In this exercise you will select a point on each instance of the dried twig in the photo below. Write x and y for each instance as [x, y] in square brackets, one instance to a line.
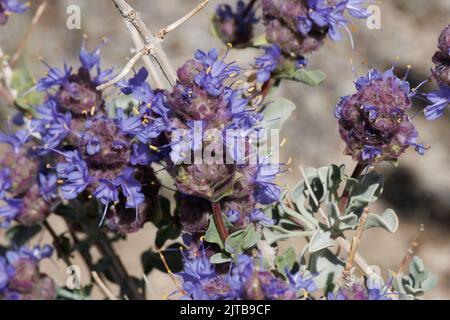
[37, 16]
[99, 282]
[355, 243]
[152, 43]
[155, 79]
[410, 253]
[125, 70]
[164, 31]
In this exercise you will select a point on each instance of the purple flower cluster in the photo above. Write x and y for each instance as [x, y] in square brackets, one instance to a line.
[373, 290]
[374, 122]
[98, 155]
[235, 28]
[440, 99]
[300, 26]
[11, 6]
[20, 278]
[26, 191]
[202, 100]
[246, 280]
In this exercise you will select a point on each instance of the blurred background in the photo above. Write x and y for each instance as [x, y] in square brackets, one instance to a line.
[419, 190]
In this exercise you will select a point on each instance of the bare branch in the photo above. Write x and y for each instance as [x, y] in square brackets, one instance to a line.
[99, 282]
[410, 253]
[355, 242]
[37, 16]
[124, 71]
[155, 79]
[164, 31]
[152, 43]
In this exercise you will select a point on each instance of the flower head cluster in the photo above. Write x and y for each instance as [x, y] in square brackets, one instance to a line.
[99, 155]
[233, 27]
[11, 6]
[203, 100]
[374, 122]
[20, 278]
[440, 99]
[246, 280]
[300, 26]
[26, 191]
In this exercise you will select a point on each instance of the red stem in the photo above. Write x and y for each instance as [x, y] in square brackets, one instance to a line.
[218, 221]
[346, 194]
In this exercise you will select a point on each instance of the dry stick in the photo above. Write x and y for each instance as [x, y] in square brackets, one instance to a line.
[125, 70]
[139, 44]
[37, 16]
[152, 43]
[346, 245]
[218, 221]
[99, 282]
[354, 247]
[164, 31]
[409, 254]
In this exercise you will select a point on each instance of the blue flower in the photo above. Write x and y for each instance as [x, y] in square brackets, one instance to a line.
[369, 153]
[75, 175]
[7, 272]
[267, 63]
[107, 192]
[257, 215]
[54, 77]
[142, 155]
[298, 281]
[214, 72]
[266, 192]
[9, 210]
[131, 188]
[48, 185]
[16, 140]
[93, 144]
[233, 216]
[440, 100]
[15, 6]
[138, 87]
[5, 181]
[88, 59]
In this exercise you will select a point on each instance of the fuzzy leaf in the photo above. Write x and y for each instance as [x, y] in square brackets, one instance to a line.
[219, 258]
[286, 261]
[319, 241]
[309, 77]
[388, 220]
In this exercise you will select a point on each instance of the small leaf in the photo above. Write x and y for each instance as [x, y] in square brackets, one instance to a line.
[319, 241]
[250, 238]
[212, 234]
[286, 261]
[276, 113]
[328, 267]
[309, 77]
[388, 220]
[366, 191]
[22, 81]
[219, 258]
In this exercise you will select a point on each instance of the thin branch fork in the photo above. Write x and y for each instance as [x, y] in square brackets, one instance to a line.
[164, 31]
[355, 243]
[152, 43]
[410, 253]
